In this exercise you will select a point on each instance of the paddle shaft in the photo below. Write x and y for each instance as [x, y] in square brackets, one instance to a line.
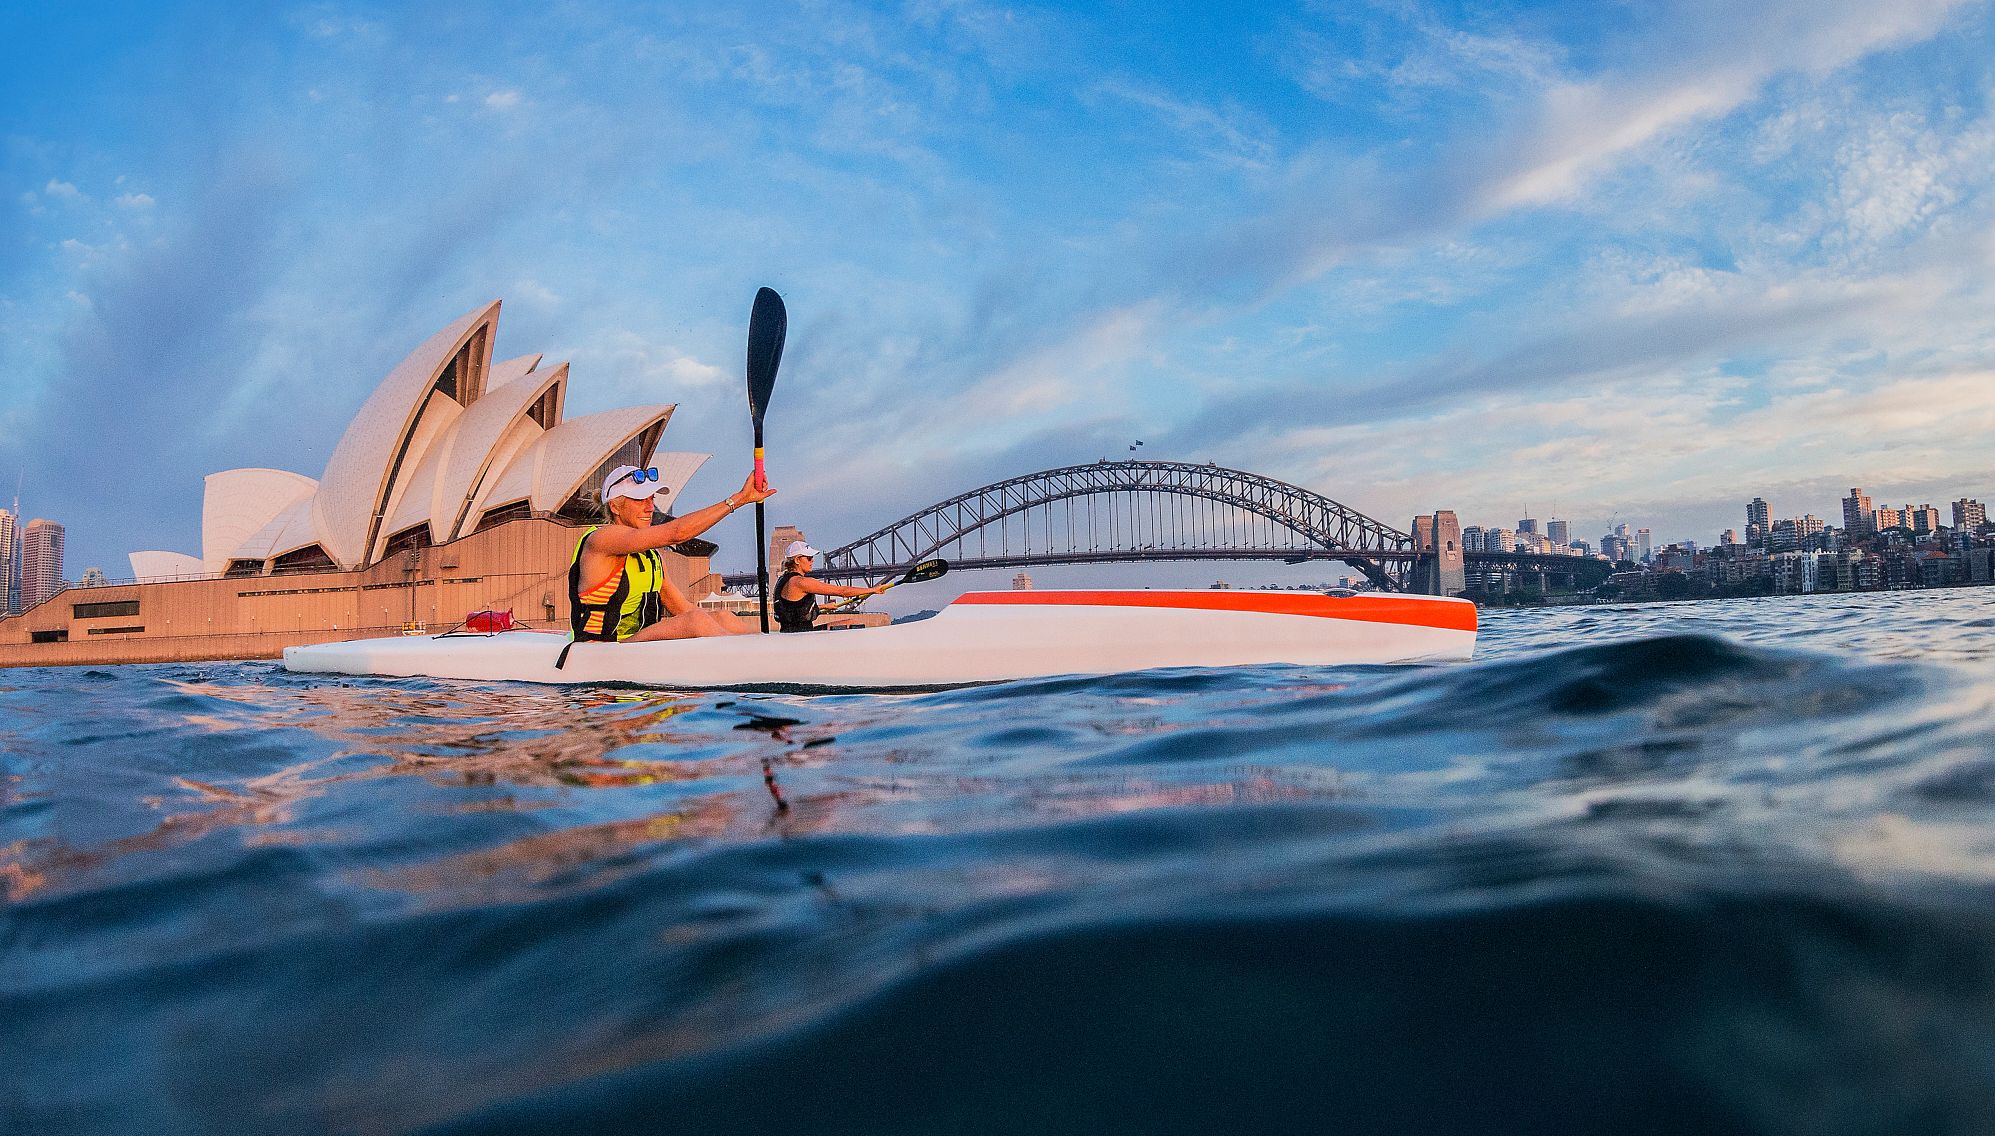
[761, 531]
[926, 570]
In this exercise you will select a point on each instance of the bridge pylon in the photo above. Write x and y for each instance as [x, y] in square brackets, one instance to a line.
[1440, 566]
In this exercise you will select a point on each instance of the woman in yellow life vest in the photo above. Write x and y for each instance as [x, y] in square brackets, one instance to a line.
[617, 588]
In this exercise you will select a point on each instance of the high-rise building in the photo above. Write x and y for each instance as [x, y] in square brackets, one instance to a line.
[1558, 532]
[1924, 520]
[41, 562]
[10, 593]
[1472, 539]
[1022, 582]
[1858, 517]
[93, 577]
[1883, 519]
[1759, 522]
[1527, 525]
[1642, 545]
[1499, 540]
[1969, 514]
[1729, 537]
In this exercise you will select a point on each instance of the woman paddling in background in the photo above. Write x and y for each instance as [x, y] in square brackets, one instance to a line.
[796, 592]
[617, 588]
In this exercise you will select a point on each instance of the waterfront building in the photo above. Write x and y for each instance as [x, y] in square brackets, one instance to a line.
[41, 561]
[10, 587]
[459, 485]
[1969, 514]
[1642, 545]
[1759, 522]
[1882, 520]
[1859, 519]
[1856, 570]
[1923, 521]
[1022, 582]
[1729, 538]
[1558, 532]
[1796, 572]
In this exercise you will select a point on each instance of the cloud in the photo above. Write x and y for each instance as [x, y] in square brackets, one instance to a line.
[134, 201]
[503, 100]
[61, 191]
[1229, 137]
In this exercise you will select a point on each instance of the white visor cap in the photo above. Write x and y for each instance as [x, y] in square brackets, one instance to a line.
[799, 548]
[632, 482]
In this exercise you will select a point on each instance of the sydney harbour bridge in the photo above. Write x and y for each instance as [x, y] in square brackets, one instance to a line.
[1126, 511]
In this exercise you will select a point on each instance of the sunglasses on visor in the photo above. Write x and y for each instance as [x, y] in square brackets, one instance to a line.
[639, 476]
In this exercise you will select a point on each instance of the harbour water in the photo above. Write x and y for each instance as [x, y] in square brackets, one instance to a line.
[1700, 868]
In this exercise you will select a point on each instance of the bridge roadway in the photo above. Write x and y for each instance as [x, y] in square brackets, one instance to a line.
[1577, 567]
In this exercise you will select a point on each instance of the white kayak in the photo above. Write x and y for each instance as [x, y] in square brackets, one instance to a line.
[980, 637]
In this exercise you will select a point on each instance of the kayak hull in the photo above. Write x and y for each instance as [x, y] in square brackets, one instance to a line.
[981, 637]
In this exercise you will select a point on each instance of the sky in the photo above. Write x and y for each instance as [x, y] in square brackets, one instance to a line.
[1608, 262]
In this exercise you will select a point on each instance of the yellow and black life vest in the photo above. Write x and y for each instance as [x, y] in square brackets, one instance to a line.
[617, 607]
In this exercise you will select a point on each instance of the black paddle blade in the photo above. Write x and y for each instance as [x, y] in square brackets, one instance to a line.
[925, 571]
[768, 324]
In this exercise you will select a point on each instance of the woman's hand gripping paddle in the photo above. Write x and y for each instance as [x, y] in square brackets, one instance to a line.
[768, 324]
[919, 574]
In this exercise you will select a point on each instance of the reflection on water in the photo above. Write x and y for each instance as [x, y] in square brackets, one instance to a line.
[1708, 866]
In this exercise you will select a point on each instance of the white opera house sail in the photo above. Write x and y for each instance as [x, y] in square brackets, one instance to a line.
[448, 444]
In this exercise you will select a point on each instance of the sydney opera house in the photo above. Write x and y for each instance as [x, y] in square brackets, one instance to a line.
[459, 486]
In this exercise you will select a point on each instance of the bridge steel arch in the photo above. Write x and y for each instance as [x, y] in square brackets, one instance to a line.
[1328, 530]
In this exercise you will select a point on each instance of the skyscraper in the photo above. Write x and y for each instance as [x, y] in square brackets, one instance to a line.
[1527, 525]
[1559, 531]
[9, 561]
[1642, 549]
[1858, 519]
[1969, 514]
[41, 562]
[1759, 522]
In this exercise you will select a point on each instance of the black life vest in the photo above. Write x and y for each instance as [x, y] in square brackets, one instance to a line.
[793, 615]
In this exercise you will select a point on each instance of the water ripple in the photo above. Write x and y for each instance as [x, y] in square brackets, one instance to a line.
[1688, 868]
